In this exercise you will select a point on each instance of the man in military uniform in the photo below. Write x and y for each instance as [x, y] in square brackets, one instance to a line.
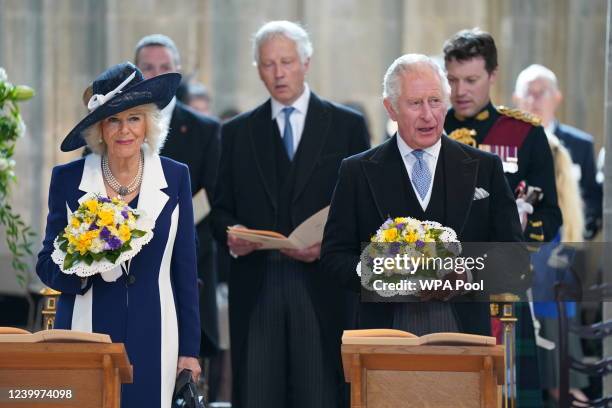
[470, 57]
[471, 61]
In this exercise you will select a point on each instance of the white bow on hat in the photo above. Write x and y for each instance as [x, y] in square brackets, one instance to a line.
[98, 100]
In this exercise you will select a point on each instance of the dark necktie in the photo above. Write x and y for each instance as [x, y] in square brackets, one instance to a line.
[288, 132]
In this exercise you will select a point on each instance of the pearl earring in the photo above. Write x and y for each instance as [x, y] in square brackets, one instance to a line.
[100, 140]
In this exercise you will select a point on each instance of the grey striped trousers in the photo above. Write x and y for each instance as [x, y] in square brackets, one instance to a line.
[285, 363]
[421, 318]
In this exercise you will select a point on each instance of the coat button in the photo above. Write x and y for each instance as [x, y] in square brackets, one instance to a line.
[131, 279]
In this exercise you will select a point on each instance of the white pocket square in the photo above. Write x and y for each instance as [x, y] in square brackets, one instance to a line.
[480, 193]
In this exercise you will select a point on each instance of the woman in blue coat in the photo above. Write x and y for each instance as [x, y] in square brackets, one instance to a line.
[151, 304]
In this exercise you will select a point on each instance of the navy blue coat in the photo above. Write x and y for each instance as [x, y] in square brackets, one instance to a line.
[193, 139]
[161, 320]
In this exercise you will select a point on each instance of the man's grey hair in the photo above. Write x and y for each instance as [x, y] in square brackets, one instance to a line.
[158, 40]
[408, 63]
[288, 29]
[530, 74]
[155, 133]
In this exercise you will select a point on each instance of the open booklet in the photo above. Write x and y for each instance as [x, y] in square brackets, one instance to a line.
[402, 338]
[53, 335]
[306, 234]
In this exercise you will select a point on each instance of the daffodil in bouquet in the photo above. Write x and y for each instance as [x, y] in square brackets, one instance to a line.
[101, 234]
[405, 248]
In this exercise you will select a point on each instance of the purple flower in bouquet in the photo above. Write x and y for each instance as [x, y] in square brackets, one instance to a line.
[114, 242]
[394, 248]
[104, 199]
[124, 214]
[105, 234]
[93, 227]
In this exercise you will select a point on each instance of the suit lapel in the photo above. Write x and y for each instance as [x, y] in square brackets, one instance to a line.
[175, 127]
[386, 177]
[460, 175]
[152, 200]
[316, 129]
[91, 179]
[262, 136]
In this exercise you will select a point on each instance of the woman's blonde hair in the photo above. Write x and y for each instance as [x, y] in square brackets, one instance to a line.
[154, 136]
[568, 192]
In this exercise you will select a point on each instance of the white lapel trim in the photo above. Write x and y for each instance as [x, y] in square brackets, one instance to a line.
[152, 200]
[91, 180]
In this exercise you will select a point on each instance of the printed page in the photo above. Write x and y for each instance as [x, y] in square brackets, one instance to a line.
[310, 231]
[402, 338]
[306, 234]
[55, 335]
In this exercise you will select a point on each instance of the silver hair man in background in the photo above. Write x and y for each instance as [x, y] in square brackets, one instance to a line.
[537, 91]
[279, 164]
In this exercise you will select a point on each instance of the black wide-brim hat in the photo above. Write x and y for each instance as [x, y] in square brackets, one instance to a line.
[114, 91]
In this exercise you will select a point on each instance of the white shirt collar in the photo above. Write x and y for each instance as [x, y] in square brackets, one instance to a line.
[552, 126]
[168, 109]
[433, 150]
[300, 104]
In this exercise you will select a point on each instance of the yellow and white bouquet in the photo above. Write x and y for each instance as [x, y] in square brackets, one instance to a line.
[101, 234]
[405, 248]
[408, 230]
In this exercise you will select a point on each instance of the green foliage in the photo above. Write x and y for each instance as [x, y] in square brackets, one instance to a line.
[19, 237]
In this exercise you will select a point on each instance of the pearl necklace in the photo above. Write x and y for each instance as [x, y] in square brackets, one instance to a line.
[110, 179]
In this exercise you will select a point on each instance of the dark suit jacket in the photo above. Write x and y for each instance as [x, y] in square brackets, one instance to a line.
[193, 139]
[367, 194]
[247, 192]
[580, 146]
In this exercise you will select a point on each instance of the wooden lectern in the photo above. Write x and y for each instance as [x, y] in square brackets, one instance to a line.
[392, 376]
[93, 372]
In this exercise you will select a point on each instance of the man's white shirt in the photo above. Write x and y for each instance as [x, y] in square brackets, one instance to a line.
[431, 159]
[297, 118]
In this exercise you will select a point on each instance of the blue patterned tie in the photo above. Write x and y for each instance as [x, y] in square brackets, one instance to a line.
[288, 132]
[421, 177]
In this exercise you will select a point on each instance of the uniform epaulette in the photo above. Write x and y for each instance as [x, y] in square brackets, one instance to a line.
[520, 115]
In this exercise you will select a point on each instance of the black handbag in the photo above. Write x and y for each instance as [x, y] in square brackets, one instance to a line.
[186, 392]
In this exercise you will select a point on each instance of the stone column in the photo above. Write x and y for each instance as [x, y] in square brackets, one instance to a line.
[607, 212]
[235, 82]
[187, 25]
[585, 62]
[353, 46]
[20, 44]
